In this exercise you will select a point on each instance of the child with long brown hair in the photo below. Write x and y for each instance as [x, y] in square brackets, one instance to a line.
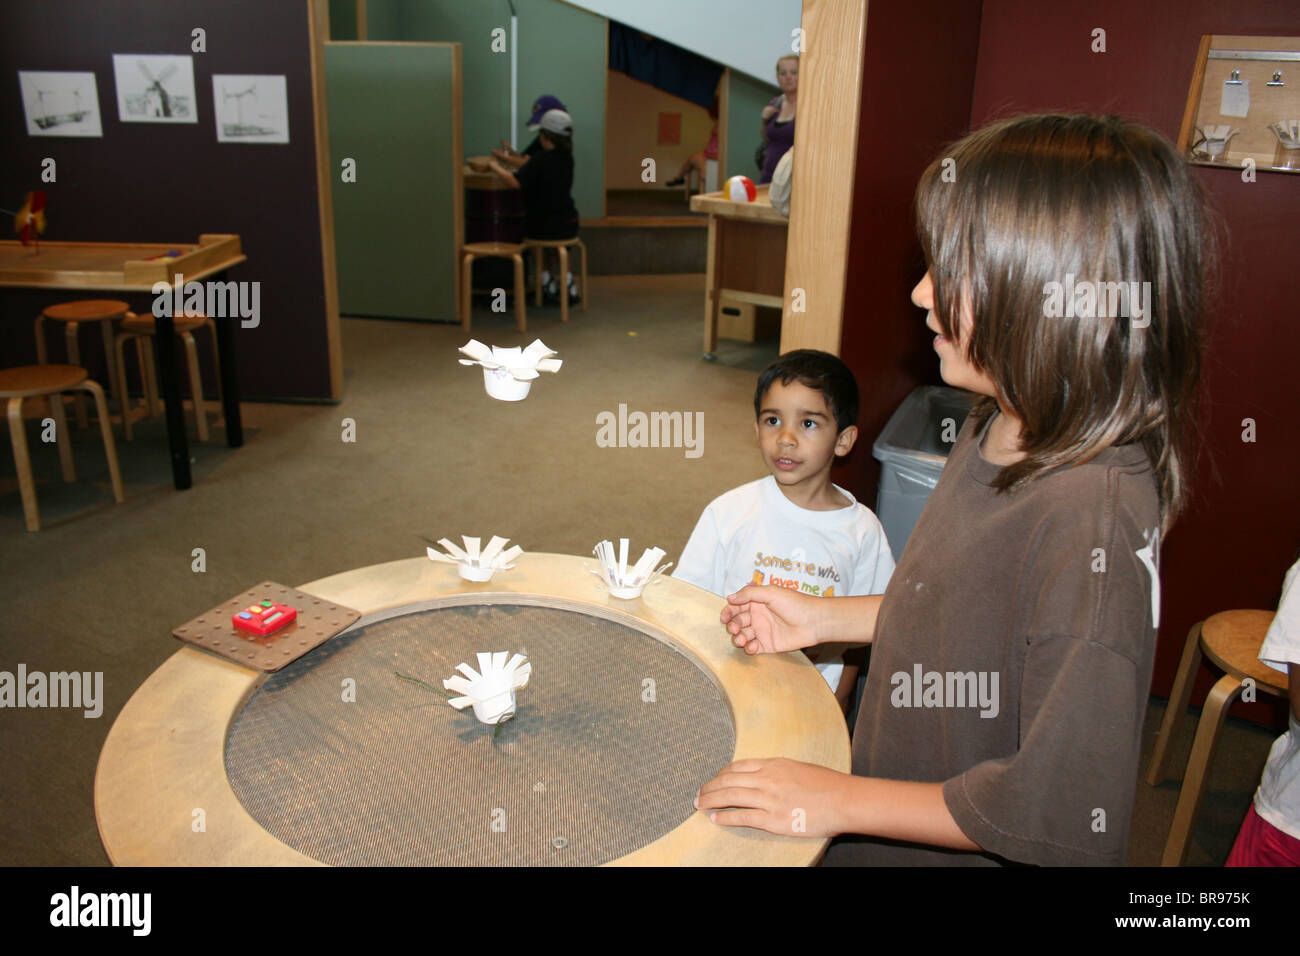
[1012, 651]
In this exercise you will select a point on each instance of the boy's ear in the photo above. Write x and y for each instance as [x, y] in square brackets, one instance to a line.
[844, 443]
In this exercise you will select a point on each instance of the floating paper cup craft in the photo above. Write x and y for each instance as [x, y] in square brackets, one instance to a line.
[1214, 140]
[476, 565]
[622, 581]
[490, 689]
[508, 373]
[1287, 132]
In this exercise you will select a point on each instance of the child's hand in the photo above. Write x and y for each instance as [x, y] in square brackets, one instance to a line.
[770, 620]
[777, 795]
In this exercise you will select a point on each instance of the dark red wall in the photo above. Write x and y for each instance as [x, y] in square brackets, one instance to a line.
[1232, 548]
[148, 182]
[918, 79]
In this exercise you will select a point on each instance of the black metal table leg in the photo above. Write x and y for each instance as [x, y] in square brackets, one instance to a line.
[228, 370]
[174, 410]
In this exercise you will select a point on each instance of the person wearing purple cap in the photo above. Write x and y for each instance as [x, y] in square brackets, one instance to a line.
[547, 183]
[507, 156]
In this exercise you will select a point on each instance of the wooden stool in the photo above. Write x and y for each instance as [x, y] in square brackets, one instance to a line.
[103, 311]
[1231, 640]
[50, 381]
[137, 329]
[491, 250]
[563, 246]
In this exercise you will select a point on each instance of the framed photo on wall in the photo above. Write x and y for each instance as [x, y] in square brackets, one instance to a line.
[60, 104]
[250, 109]
[155, 89]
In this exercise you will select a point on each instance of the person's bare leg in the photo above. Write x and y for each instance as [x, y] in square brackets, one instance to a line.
[695, 162]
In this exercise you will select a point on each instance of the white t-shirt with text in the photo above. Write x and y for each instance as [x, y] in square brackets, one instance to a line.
[754, 534]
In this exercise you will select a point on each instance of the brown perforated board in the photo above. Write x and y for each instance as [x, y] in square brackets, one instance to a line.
[318, 620]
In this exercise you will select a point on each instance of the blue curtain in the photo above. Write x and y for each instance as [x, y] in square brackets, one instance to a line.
[662, 65]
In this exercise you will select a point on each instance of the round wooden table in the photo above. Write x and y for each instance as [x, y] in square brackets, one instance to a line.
[165, 756]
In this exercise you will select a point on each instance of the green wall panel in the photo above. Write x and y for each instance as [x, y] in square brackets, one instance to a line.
[745, 103]
[343, 19]
[562, 51]
[391, 109]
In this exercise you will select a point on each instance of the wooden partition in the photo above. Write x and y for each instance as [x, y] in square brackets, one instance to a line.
[394, 110]
[825, 156]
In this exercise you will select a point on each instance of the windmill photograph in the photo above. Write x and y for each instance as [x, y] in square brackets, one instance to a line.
[154, 89]
[250, 109]
[60, 104]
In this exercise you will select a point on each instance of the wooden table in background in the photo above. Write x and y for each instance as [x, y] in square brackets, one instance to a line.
[746, 255]
[133, 267]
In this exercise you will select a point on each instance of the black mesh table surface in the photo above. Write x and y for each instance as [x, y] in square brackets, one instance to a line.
[343, 760]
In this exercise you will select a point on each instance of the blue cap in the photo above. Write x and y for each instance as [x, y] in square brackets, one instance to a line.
[544, 105]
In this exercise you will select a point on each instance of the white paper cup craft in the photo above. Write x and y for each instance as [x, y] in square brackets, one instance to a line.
[491, 689]
[475, 564]
[623, 581]
[508, 373]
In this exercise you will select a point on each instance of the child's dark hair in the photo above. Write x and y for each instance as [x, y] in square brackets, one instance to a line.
[820, 371]
[562, 141]
[1043, 202]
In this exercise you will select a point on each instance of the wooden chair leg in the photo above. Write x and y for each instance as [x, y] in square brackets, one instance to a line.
[216, 363]
[583, 291]
[61, 437]
[564, 284]
[106, 330]
[1176, 710]
[520, 319]
[467, 290]
[23, 464]
[74, 358]
[1221, 697]
[106, 432]
[123, 401]
[196, 386]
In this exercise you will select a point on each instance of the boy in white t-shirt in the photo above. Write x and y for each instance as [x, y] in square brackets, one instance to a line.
[795, 528]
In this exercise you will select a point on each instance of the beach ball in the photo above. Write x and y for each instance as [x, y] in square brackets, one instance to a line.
[740, 189]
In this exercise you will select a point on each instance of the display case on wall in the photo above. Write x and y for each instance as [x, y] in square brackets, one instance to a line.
[1243, 108]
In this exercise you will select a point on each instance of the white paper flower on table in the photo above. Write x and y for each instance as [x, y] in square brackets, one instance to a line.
[476, 565]
[490, 689]
[622, 581]
[508, 373]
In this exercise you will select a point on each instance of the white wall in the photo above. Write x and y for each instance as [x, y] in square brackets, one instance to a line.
[746, 35]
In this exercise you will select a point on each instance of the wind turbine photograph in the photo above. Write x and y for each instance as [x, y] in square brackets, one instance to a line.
[250, 109]
[60, 104]
[154, 89]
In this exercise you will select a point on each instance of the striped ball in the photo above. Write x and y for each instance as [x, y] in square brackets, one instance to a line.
[740, 189]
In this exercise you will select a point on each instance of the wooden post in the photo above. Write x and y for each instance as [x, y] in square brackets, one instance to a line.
[825, 157]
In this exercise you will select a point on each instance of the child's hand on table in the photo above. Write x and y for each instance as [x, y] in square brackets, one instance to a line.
[770, 620]
[777, 795]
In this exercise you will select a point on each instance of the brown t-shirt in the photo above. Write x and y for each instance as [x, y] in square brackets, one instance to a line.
[1012, 661]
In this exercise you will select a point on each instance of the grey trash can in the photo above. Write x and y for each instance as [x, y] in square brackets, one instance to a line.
[912, 450]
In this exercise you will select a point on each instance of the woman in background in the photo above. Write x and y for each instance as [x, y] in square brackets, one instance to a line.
[778, 116]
